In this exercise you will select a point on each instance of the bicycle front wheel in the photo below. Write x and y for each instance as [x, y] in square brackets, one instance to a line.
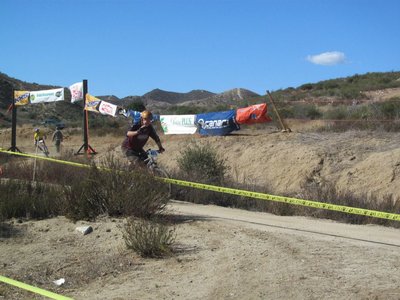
[160, 172]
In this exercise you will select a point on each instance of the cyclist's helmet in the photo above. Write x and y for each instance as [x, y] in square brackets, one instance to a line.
[146, 114]
[36, 130]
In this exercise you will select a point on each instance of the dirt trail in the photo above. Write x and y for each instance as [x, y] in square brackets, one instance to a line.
[220, 253]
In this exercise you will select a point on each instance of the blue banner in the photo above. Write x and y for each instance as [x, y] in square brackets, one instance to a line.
[217, 123]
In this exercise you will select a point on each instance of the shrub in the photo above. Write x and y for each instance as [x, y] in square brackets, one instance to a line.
[313, 112]
[25, 199]
[148, 238]
[390, 109]
[79, 193]
[201, 162]
[115, 191]
[337, 113]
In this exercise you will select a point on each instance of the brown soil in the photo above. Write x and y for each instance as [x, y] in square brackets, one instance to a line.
[224, 253]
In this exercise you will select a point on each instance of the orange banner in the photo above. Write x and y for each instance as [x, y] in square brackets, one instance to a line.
[253, 114]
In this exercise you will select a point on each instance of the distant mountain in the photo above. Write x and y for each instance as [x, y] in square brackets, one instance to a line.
[158, 95]
[231, 97]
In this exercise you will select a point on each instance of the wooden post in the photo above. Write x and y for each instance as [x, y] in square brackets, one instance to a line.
[281, 122]
[13, 147]
[85, 145]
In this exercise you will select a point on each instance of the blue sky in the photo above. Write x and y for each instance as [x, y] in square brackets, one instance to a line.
[131, 47]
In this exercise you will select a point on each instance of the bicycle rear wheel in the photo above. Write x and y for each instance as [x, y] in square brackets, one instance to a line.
[160, 172]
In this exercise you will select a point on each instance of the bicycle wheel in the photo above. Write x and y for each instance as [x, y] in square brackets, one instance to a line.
[160, 172]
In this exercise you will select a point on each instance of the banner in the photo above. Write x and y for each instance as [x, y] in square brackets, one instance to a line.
[217, 123]
[106, 108]
[21, 97]
[253, 114]
[178, 124]
[47, 96]
[92, 103]
[76, 91]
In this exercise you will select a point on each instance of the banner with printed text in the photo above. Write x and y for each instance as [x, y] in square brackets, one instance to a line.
[21, 97]
[106, 108]
[178, 124]
[217, 123]
[76, 91]
[46, 96]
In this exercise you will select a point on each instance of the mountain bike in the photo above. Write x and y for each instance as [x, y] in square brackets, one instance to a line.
[155, 169]
[41, 145]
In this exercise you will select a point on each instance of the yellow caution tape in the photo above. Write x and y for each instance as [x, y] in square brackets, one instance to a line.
[33, 289]
[294, 201]
[262, 196]
[45, 158]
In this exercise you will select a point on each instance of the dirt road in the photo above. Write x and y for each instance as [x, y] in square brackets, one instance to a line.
[220, 253]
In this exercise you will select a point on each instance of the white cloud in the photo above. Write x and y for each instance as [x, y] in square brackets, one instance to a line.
[327, 58]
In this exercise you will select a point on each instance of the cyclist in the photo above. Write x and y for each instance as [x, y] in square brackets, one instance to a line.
[38, 139]
[137, 137]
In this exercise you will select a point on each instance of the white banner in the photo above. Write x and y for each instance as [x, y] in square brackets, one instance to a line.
[106, 108]
[47, 96]
[76, 91]
[178, 124]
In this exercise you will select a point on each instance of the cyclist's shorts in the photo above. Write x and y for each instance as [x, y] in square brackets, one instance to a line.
[135, 156]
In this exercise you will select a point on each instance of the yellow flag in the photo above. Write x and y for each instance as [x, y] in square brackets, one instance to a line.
[21, 97]
[92, 103]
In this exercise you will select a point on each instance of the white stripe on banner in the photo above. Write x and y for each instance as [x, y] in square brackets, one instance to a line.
[47, 96]
[178, 124]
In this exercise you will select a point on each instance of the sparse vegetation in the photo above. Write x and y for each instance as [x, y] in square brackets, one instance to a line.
[149, 238]
[202, 163]
[82, 193]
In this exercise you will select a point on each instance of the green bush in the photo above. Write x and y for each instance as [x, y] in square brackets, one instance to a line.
[336, 113]
[201, 162]
[390, 109]
[148, 238]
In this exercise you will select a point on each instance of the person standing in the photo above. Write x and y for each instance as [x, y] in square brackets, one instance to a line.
[58, 138]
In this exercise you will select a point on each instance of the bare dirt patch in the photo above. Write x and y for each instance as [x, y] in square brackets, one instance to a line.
[220, 253]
